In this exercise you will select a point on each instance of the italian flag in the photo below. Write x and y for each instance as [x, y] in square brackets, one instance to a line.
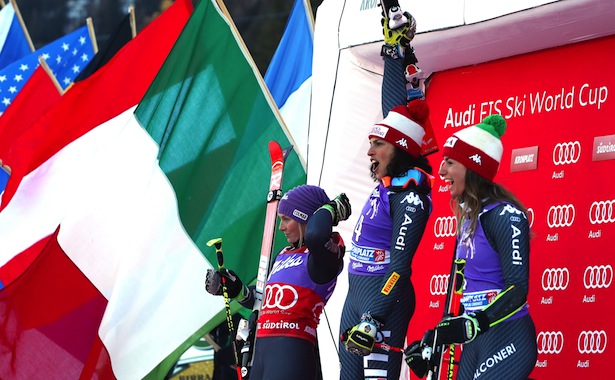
[124, 180]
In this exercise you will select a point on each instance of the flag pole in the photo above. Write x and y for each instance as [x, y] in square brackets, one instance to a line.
[47, 69]
[310, 15]
[258, 75]
[2, 3]
[90, 25]
[23, 25]
[133, 20]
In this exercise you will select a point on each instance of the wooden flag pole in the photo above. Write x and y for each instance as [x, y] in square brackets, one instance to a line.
[90, 25]
[23, 25]
[46, 67]
[133, 20]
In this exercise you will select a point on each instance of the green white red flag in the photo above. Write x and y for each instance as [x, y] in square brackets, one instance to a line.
[115, 205]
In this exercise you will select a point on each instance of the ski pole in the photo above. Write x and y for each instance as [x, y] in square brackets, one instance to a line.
[217, 243]
[386, 347]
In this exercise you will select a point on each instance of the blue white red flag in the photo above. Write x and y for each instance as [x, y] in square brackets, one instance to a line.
[13, 41]
[289, 75]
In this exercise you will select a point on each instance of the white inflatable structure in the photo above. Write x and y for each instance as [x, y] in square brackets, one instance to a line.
[347, 74]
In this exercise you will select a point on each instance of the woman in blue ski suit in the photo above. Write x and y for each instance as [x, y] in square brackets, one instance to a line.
[380, 300]
[496, 329]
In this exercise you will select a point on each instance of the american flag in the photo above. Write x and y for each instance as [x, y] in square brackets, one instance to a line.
[66, 57]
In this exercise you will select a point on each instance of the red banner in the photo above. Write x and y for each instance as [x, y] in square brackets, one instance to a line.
[559, 154]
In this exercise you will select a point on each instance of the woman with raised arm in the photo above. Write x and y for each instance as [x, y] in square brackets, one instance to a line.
[380, 300]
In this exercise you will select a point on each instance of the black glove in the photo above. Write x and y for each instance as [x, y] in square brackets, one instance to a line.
[339, 208]
[213, 282]
[414, 359]
[462, 329]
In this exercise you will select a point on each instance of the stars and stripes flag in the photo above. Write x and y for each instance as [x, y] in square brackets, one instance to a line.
[66, 57]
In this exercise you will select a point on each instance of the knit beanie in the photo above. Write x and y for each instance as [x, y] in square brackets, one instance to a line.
[301, 202]
[404, 126]
[478, 147]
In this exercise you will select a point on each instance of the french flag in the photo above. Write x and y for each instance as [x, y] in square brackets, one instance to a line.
[289, 75]
[13, 42]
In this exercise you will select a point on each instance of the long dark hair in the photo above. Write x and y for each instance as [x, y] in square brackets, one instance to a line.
[479, 191]
[401, 162]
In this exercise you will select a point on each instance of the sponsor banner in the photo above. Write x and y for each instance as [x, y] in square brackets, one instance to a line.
[524, 159]
[559, 148]
[604, 148]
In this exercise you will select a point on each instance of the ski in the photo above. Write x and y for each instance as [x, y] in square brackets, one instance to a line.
[445, 357]
[278, 158]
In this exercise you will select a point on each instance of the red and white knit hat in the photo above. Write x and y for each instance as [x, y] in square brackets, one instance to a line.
[479, 147]
[404, 126]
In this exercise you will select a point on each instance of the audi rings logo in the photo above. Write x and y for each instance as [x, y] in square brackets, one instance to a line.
[561, 216]
[280, 296]
[550, 342]
[602, 212]
[438, 284]
[592, 342]
[555, 279]
[598, 276]
[566, 153]
[530, 216]
[445, 226]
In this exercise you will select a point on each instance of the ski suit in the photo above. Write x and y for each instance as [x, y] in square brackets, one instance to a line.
[300, 282]
[384, 241]
[496, 282]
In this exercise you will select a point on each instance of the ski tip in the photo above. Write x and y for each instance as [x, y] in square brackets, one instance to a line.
[276, 152]
[274, 146]
[287, 151]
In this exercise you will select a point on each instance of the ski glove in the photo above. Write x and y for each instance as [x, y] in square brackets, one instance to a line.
[414, 358]
[360, 339]
[213, 282]
[401, 35]
[462, 329]
[339, 208]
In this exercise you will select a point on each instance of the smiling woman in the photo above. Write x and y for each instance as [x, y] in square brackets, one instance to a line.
[493, 241]
[454, 173]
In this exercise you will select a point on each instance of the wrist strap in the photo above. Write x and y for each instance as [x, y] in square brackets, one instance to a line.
[243, 294]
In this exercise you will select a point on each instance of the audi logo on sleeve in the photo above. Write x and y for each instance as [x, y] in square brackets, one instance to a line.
[438, 284]
[592, 342]
[555, 278]
[602, 212]
[598, 276]
[567, 153]
[561, 216]
[445, 226]
[550, 342]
